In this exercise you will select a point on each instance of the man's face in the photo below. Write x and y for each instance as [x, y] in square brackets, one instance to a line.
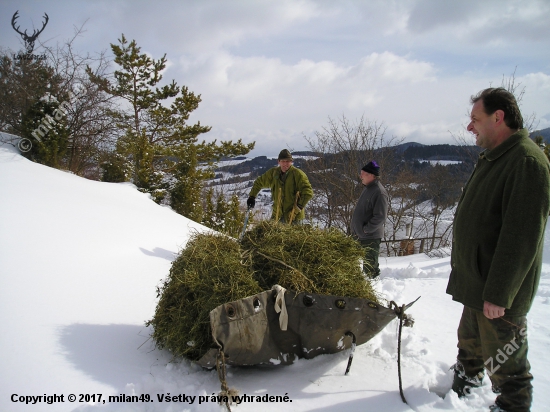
[367, 178]
[482, 126]
[285, 165]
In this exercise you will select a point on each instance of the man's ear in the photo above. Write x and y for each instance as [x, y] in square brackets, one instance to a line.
[499, 116]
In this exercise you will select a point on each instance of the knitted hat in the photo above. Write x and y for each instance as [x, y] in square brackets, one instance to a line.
[372, 168]
[285, 155]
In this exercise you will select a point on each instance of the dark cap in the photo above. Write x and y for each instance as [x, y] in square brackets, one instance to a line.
[285, 155]
[372, 168]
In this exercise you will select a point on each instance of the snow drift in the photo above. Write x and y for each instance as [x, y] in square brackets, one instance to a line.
[79, 265]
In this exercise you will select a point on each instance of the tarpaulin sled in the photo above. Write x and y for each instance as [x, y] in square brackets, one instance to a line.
[278, 326]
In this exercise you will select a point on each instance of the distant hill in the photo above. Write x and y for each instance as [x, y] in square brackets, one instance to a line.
[304, 153]
[545, 133]
[402, 148]
[440, 152]
[260, 164]
[409, 152]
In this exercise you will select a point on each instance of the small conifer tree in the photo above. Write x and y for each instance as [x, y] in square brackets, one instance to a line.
[234, 219]
[162, 148]
[43, 119]
[115, 168]
[223, 216]
[220, 213]
[539, 140]
[209, 211]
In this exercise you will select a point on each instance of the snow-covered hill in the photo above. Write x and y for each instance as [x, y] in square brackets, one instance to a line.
[79, 265]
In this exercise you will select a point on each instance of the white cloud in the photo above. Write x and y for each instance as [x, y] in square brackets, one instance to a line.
[267, 99]
[198, 27]
[427, 133]
[277, 69]
[274, 103]
[536, 98]
[481, 22]
[426, 15]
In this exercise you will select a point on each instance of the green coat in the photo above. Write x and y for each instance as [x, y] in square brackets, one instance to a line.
[283, 191]
[498, 230]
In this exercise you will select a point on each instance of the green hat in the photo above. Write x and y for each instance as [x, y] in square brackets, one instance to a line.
[285, 155]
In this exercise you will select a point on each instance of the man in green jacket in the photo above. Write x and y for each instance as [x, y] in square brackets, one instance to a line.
[498, 237]
[290, 190]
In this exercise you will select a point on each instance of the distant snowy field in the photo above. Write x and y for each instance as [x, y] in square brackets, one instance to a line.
[441, 162]
[79, 265]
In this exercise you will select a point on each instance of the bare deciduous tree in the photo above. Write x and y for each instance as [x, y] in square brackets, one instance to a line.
[442, 190]
[60, 79]
[93, 130]
[343, 148]
[403, 201]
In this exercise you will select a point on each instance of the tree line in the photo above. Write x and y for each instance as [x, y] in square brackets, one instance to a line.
[128, 125]
[125, 125]
[420, 194]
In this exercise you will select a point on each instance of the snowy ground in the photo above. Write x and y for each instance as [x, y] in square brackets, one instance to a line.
[79, 264]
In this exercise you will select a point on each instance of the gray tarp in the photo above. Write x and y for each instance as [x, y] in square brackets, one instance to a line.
[250, 333]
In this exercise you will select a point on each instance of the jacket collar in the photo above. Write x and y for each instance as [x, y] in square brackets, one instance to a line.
[289, 169]
[373, 183]
[502, 148]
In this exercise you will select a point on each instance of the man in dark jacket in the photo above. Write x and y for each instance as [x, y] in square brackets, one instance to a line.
[369, 216]
[290, 190]
[498, 236]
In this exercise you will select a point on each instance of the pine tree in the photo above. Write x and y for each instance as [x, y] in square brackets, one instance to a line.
[30, 94]
[186, 188]
[163, 149]
[22, 84]
[45, 125]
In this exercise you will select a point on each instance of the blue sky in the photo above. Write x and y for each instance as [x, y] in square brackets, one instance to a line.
[274, 71]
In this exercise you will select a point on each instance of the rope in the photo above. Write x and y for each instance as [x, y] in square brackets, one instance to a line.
[400, 312]
[226, 394]
[220, 367]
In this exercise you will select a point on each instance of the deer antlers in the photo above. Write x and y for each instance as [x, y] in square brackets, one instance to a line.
[29, 40]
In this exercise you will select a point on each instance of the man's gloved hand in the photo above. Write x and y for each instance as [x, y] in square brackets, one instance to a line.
[251, 202]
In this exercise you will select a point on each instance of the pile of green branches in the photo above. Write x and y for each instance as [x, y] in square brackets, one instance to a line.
[215, 269]
[209, 272]
[307, 259]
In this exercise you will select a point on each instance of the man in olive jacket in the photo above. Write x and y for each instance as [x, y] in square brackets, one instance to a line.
[498, 237]
[290, 190]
